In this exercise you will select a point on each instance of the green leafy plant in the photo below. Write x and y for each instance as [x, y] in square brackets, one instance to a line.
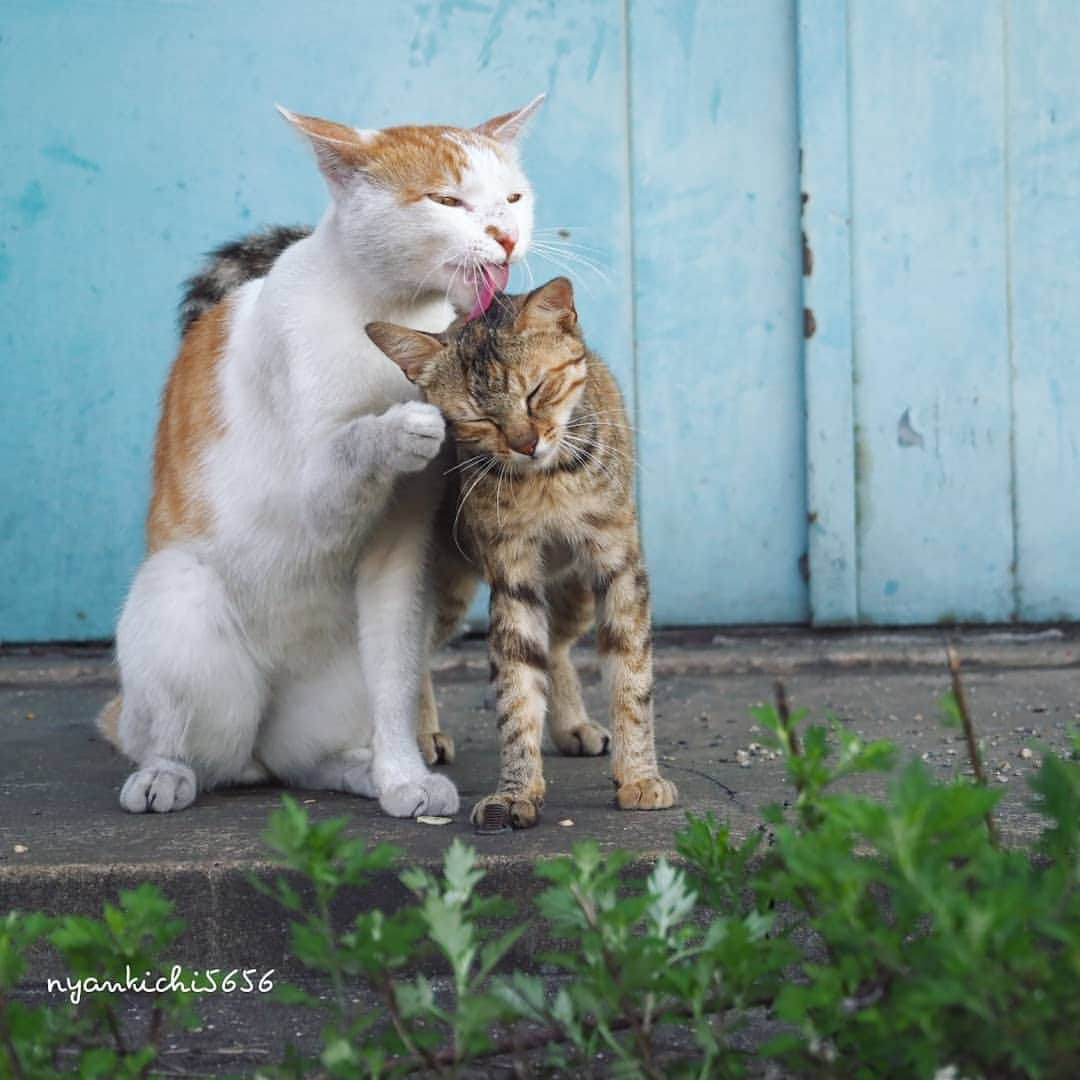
[84, 1036]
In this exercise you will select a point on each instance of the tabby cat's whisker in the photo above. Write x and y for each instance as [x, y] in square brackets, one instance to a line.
[465, 464]
[464, 498]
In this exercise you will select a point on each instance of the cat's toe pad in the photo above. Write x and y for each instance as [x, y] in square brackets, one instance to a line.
[159, 788]
[648, 793]
[436, 747]
[495, 813]
[430, 794]
[585, 740]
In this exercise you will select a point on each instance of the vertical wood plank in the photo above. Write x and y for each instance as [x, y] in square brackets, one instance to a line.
[1042, 51]
[718, 311]
[827, 346]
[932, 385]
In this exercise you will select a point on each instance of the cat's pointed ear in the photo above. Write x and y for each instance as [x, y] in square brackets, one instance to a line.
[551, 307]
[412, 350]
[508, 127]
[340, 150]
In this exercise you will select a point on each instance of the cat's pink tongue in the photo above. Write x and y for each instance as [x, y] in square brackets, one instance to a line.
[493, 279]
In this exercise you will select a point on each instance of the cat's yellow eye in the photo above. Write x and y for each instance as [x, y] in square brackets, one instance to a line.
[445, 200]
[516, 197]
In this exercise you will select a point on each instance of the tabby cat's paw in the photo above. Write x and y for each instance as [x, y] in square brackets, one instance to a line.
[436, 747]
[585, 740]
[431, 794]
[648, 793]
[158, 788]
[495, 813]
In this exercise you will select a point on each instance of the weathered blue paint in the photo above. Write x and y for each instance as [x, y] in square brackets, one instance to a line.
[717, 309]
[931, 330]
[929, 425]
[137, 136]
[1043, 170]
[827, 329]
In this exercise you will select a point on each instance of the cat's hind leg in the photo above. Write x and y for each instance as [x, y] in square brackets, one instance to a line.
[624, 639]
[571, 609]
[192, 692]
[454, 583]
[317, 732]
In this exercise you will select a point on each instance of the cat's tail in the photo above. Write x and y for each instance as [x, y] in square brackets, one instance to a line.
[108, 720]
[232, 265]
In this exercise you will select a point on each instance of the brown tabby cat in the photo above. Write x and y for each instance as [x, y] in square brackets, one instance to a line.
[547, 514]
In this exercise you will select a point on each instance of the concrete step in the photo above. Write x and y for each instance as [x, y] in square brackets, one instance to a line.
[66, 846]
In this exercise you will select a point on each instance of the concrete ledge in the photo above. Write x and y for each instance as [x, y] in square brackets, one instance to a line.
[65, 844]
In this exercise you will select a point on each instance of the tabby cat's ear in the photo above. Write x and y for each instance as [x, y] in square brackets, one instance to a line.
[412, 350]
[509, 126]
[551, 308]
[340, 150]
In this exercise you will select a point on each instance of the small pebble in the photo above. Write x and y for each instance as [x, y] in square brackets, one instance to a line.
[742, 758]
[1027, 753]
[430, 819]
[566, 822]
[21, 849]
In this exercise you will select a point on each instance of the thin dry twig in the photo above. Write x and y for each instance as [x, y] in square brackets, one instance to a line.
[960, 696]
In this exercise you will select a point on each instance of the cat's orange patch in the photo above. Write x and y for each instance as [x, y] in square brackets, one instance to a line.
[190, 421]
[413, 160]
[417, 161]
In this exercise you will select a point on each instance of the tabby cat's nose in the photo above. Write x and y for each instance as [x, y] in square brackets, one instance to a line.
[525, 444]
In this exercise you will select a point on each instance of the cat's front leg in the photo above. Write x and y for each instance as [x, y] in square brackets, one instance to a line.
[518, 648]
[349, 479]
[624, 639]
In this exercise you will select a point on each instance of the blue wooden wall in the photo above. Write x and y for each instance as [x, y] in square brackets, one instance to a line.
[915, 458]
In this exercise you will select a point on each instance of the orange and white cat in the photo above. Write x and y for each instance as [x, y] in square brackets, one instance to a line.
[279, 625]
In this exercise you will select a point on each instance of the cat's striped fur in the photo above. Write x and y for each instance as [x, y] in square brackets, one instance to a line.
[547, 515]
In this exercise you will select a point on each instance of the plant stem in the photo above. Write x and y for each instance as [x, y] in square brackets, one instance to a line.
[114, 1027]
[960, 697]
[332, 951]
[784, 712]
[555, 1033]
[448, 1056]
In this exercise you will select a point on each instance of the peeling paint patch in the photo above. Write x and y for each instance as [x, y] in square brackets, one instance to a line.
[64, 155]
[892, 587]
[807, 257]
[906, 435]
[809, 323]
[31, 204]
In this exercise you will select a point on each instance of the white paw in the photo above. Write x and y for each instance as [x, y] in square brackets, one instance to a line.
[357, 779]
[430, 794]
[161, 787]
[414, 433]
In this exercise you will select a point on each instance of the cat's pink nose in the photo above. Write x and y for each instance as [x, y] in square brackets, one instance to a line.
[504, 240]
[525, 444]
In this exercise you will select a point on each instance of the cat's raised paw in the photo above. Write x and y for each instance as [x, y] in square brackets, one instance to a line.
[431, 794]
[414, 434]
[436, 747]
[501, 811]
[649, 793]
[585, 740]
[159, 788]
